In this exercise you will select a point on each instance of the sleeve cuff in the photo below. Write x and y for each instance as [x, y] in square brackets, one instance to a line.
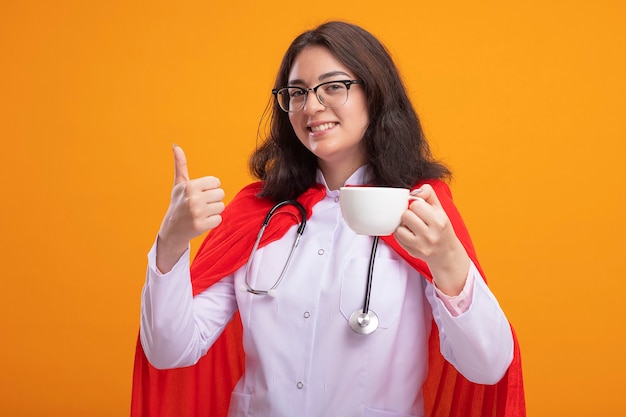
[459, 304]
[153, 271]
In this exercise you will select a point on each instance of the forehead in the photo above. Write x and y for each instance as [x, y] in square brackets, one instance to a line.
[316, 64]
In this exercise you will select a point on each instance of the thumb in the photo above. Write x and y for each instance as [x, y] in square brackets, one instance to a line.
[181, 173]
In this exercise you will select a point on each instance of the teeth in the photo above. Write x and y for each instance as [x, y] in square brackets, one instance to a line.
[322, 127]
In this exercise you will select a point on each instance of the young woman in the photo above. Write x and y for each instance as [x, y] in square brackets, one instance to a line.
[280, 315]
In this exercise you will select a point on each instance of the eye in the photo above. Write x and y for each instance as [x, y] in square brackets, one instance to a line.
[296, 92]
[334, 88]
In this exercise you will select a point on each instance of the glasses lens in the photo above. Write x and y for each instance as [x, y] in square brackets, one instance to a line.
[333, 94]
[291, 99]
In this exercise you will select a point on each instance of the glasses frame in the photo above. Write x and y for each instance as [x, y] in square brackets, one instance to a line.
[305, 93]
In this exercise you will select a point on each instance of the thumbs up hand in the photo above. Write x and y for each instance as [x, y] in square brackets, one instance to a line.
[195, 208]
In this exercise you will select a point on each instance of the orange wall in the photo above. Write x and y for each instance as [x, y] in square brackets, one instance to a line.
[524, 100]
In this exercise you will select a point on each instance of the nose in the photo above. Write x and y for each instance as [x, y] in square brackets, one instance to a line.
[312, 104]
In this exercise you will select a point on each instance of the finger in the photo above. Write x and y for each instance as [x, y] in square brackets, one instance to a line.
[414, 222]
[426, 204]
[215, 195]
[215, 208]
[405, 236]
[205, 204]
[427, 194]
[205, 188]
[181, 173]
[206, 183]
[212, 222]
[202, 210]
[411, 242]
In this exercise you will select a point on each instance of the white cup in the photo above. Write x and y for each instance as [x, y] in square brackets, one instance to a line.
[374, 211]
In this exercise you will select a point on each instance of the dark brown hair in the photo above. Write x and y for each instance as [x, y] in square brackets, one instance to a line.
[397, 151]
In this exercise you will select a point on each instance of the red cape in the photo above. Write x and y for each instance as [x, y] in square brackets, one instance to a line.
[204, 389]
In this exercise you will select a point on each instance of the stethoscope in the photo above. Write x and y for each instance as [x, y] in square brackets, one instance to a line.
[362, 321]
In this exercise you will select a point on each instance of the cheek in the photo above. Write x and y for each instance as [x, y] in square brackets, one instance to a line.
[365, 121]
[297, 125]
[360, 123]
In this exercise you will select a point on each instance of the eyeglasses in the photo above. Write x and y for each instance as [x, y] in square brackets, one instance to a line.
[329, 94]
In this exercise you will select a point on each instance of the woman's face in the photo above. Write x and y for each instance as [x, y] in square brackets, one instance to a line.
[334, 134]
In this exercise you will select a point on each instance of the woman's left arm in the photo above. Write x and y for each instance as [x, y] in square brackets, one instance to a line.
[478, 342]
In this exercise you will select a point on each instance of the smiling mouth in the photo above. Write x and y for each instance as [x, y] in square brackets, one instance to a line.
[322, 127]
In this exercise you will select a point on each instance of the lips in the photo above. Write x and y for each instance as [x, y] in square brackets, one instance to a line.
[322, 127]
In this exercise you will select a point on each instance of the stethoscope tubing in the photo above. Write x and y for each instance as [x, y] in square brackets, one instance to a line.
[361, 321]
[302, 225]
[370, 274]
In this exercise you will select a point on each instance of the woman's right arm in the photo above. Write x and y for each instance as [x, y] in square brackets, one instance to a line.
[176, 328]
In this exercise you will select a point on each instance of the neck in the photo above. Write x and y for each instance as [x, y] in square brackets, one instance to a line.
[335, 176]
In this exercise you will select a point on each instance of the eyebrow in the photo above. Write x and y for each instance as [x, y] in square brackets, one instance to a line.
[322, 77]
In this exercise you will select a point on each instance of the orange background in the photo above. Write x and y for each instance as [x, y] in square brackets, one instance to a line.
[524, 100]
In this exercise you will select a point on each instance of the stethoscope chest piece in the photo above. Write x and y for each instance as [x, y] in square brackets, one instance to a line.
[363, 323]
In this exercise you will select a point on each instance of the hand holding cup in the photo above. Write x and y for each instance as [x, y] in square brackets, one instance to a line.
[418, 222]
